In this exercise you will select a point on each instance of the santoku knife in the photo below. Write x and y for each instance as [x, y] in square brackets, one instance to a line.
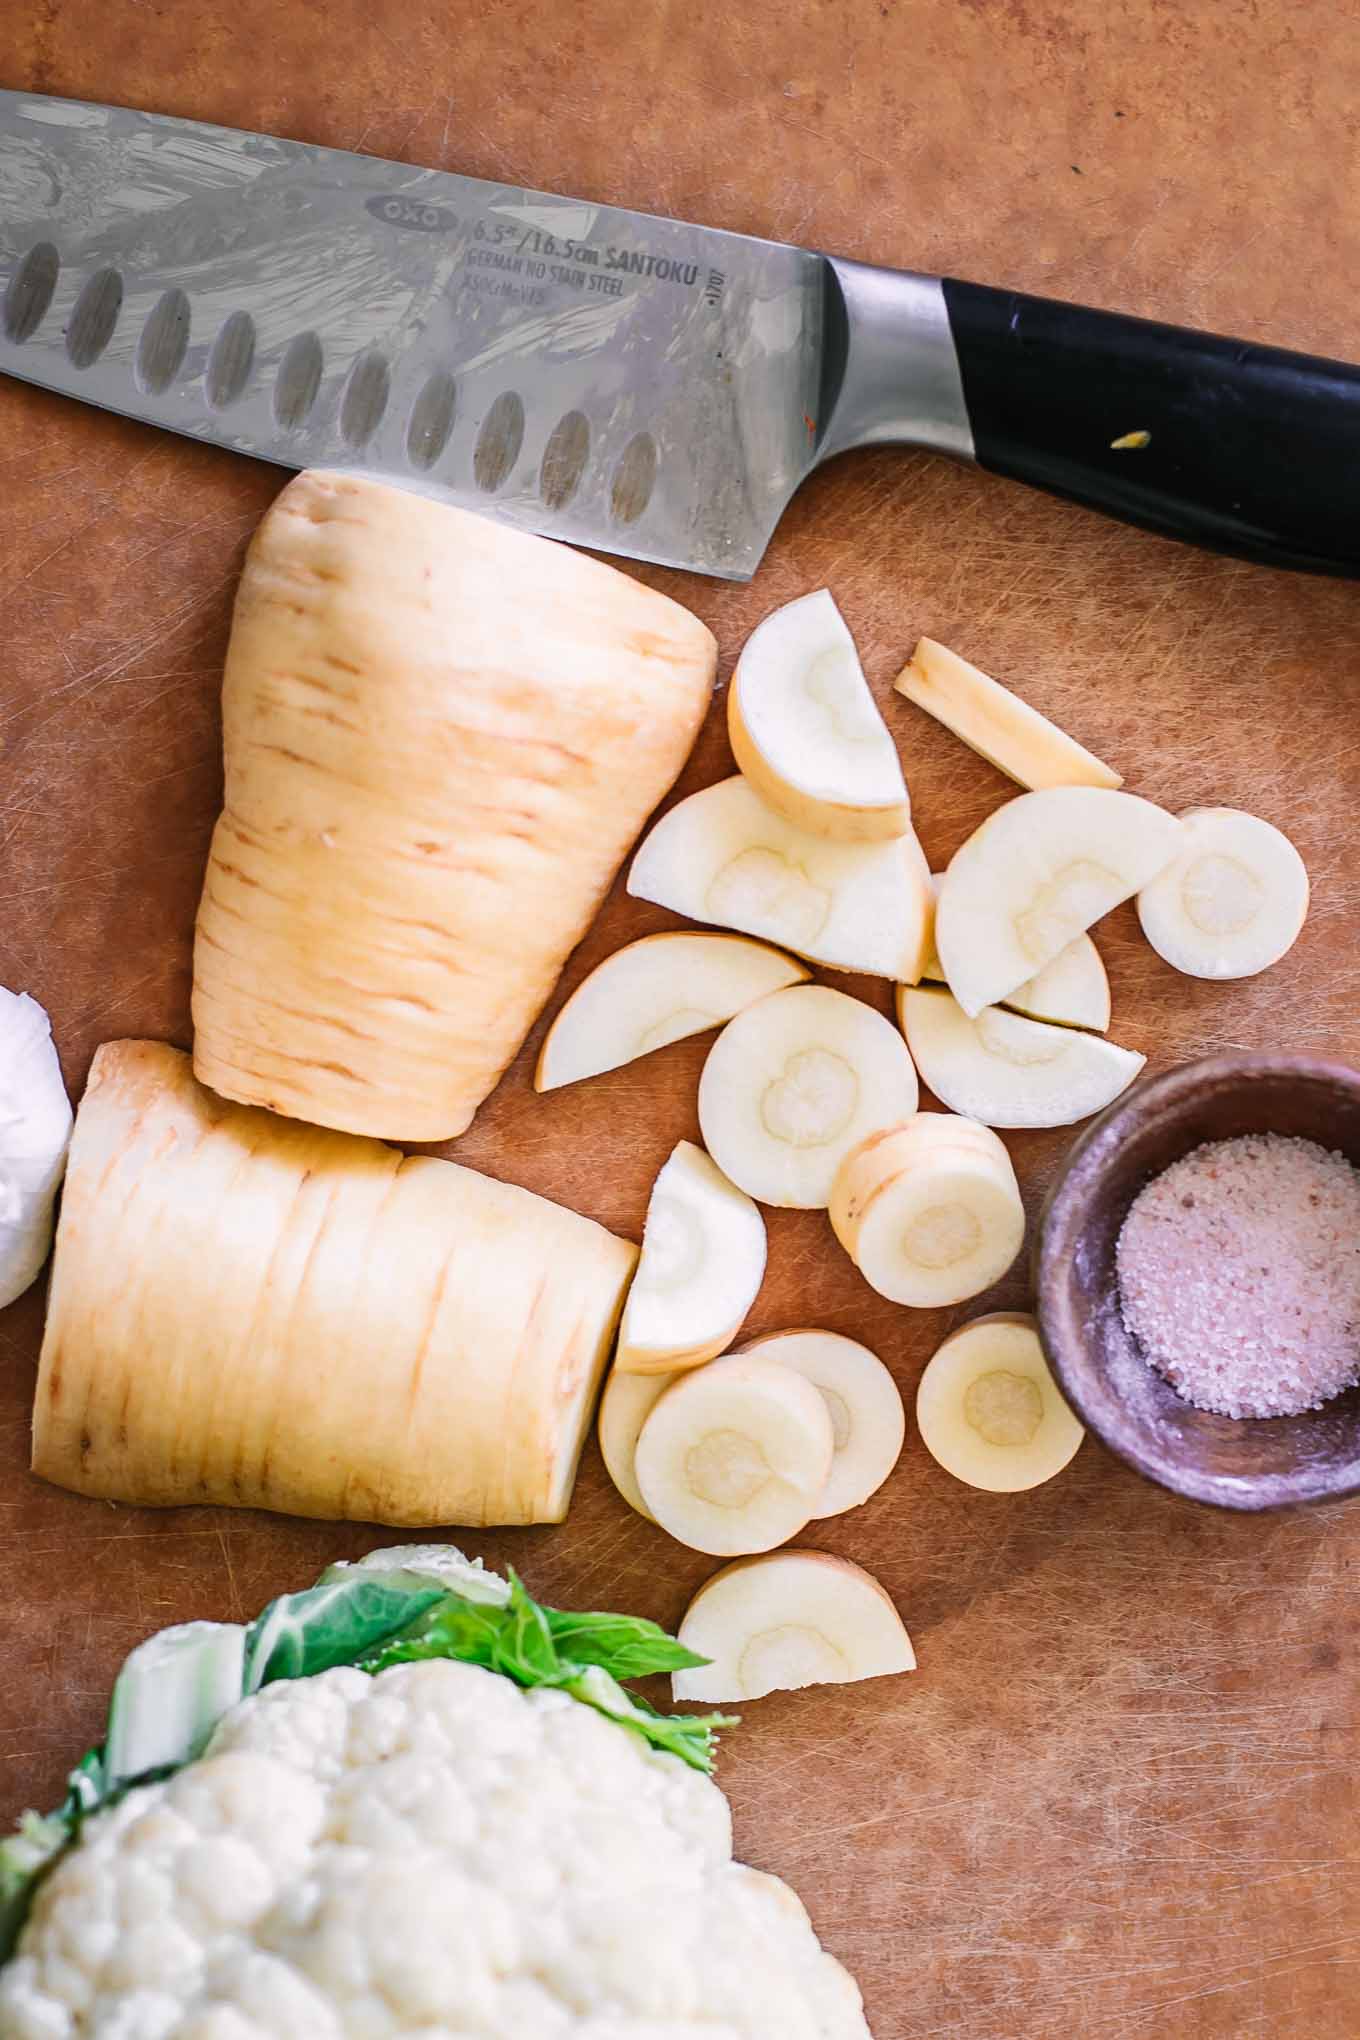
[630, 383]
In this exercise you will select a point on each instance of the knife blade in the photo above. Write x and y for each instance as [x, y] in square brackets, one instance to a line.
[628, 382]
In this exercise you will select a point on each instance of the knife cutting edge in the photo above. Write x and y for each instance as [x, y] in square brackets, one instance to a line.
[627, 382]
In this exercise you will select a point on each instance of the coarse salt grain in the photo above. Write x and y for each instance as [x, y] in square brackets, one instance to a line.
[1239, 1275]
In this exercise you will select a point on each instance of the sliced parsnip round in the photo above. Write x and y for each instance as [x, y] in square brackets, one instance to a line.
[655, 991]
[868, 1422]
[989, 1410]
[734, 1456]
[1234, 900]
[796, 1618]
[929, 1211]
[725, 856]
[627, 1402]
[1035, 876]
[805, 729]
[702, 1263]
[1072, 991]
[796, 1081]
[1009, 1071]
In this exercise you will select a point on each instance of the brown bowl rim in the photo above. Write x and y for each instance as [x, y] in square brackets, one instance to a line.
[1061, 1218]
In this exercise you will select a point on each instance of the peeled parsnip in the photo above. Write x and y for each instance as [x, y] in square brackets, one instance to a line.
[703, 1260]
[35, 1128]
[805, 729]
[989, 1410]
[725, 855]
[625, 1406]
[734, 1456]
[791, 1619]
[996, 723]
[1071, 991]
[1009, 1071]
[1035, 875]
[868, 1423]
[929, 1211]
[441, 737]
[654, 991]
[1233, 902]
[257, 1313]
[795, 1082]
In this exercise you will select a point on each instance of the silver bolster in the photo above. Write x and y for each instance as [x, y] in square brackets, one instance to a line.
[900, 382]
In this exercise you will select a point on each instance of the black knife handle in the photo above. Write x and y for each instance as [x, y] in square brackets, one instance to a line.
[1247, 450]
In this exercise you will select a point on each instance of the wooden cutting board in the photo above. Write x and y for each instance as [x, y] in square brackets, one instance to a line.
[1119, 1797]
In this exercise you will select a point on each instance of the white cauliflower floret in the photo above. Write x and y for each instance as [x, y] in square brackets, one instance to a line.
[431, 1854]
[305, 1723]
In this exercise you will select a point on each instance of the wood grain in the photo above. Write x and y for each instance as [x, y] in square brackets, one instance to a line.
[1119, 1798]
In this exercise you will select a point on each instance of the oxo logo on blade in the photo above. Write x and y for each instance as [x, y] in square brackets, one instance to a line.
[408, 212]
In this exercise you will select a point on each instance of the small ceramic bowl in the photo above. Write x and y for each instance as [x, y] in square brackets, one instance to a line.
[1237, 1463]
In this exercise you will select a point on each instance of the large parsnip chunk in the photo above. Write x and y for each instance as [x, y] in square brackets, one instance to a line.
[725, 856]
[1009, 1071]
[997, 724]
[441, 736]
[930, 1211]
[703, 1259]
[250, 1311]
[795, 1618]
[806, 730]
[796, 1081]
[655, 991]
[1035, 876]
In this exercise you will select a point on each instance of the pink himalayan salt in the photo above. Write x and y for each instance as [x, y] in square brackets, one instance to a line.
[1239, 1275]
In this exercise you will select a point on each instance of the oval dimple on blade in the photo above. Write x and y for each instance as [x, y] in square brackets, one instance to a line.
[231, 360]
[164, 343]
[298, 382]
[499, 441]
[94, 318]
[564, 460]
[365, 398]
[634, 479]
[431, 420]
[29, 292]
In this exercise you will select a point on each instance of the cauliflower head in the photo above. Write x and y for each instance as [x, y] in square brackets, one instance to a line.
[432, 1853]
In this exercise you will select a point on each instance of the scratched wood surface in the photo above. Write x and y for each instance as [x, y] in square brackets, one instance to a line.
[1120, 1796]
